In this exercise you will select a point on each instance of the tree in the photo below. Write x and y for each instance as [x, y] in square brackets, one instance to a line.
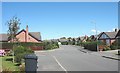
[13, 27]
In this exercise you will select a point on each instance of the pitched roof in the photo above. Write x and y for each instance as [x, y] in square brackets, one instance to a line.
[36, 35]
[3, 37]
[63, 40]
[109, 34]
[118, 34]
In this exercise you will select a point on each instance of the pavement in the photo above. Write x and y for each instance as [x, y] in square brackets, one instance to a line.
[73, 58]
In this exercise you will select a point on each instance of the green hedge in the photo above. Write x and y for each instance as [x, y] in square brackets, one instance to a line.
[90, 45]
[50, 45]
[20, 52]
[64, 43]
[25, 44]
[115, 45]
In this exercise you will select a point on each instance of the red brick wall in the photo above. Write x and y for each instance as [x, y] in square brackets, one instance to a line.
[31, 39]
[35, 48]
[21, 36]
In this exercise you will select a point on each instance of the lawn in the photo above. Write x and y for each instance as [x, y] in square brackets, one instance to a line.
[8, 65]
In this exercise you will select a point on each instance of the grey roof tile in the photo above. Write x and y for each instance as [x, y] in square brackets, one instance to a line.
[3, 37]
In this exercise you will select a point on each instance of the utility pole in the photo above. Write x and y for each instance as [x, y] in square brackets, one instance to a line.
[96, 34]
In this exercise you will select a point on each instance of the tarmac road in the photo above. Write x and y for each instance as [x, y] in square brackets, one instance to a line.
[70, 58]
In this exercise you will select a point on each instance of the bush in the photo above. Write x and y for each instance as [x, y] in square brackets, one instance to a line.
[106, 48]
[22, 68]
[64, 43]
[20, 52]
[90, 45]
[114, 46]
[50, 45]
[25, 44]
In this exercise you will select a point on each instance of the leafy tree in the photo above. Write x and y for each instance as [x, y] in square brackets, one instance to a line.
[13, 27]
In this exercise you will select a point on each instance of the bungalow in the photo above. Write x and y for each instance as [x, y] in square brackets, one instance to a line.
[83, 38]
[118, 34]
[108, 37]
[23, 36]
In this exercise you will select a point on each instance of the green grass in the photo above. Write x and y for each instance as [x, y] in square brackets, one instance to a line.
[8, 64]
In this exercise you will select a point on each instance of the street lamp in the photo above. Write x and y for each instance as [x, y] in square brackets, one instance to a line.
[96, 34]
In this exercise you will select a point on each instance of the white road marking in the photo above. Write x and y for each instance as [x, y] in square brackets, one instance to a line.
[59, 64]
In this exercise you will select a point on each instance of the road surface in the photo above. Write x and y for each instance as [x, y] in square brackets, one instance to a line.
[70, 58]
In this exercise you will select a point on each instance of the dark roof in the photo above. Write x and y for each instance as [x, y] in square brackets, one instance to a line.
[63, 40]
[36, 35]
[3, 37]
[118, 34]
[109, 34]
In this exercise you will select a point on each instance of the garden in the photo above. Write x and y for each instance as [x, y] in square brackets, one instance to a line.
[14, 59]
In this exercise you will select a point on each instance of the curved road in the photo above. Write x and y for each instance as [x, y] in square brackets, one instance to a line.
[70, 58]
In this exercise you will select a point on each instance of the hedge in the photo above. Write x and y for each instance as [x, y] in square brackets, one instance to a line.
[50, 45]
[64, 43]
[20, 52]
[90, 45]
[25, 44]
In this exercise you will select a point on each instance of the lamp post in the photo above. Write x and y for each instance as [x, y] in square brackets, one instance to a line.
[96, 34]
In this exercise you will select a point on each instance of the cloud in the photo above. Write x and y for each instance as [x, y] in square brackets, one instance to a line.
[93, 30]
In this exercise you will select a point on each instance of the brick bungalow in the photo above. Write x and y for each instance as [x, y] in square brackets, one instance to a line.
[23, 36]
[108, 37]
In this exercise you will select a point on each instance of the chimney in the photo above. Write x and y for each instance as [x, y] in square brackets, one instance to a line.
[115, 30]
[27, 33]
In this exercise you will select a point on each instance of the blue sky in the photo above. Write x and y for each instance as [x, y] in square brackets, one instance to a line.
[59, 19]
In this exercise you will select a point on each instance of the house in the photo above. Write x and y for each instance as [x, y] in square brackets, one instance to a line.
[23, 36]
[108, 37]
[118, 34]
[83, 38]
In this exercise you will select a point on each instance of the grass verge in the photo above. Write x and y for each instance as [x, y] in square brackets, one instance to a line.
[7, 64]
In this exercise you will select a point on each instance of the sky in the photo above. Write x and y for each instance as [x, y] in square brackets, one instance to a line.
[62, 19]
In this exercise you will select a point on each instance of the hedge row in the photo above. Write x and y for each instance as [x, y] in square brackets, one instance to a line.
[10, 45]
[50, 45]
[64, 43]
[90, 45]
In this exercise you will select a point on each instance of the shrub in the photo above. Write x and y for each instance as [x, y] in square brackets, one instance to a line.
[25, 44]
[114, 45]
[22, 68]
[90, 45]
[106, 48]
[20, 52]
[64, 43]
[50, 45]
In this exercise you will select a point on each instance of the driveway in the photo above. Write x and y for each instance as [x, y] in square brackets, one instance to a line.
[70, 58]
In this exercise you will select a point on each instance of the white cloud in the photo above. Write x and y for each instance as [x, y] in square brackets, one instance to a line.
[108, 31]
[93, 30]
[113, 29]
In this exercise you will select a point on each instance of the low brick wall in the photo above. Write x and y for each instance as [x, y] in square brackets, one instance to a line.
[36, 48]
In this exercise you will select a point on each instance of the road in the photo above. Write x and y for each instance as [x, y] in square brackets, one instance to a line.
[70, 58]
